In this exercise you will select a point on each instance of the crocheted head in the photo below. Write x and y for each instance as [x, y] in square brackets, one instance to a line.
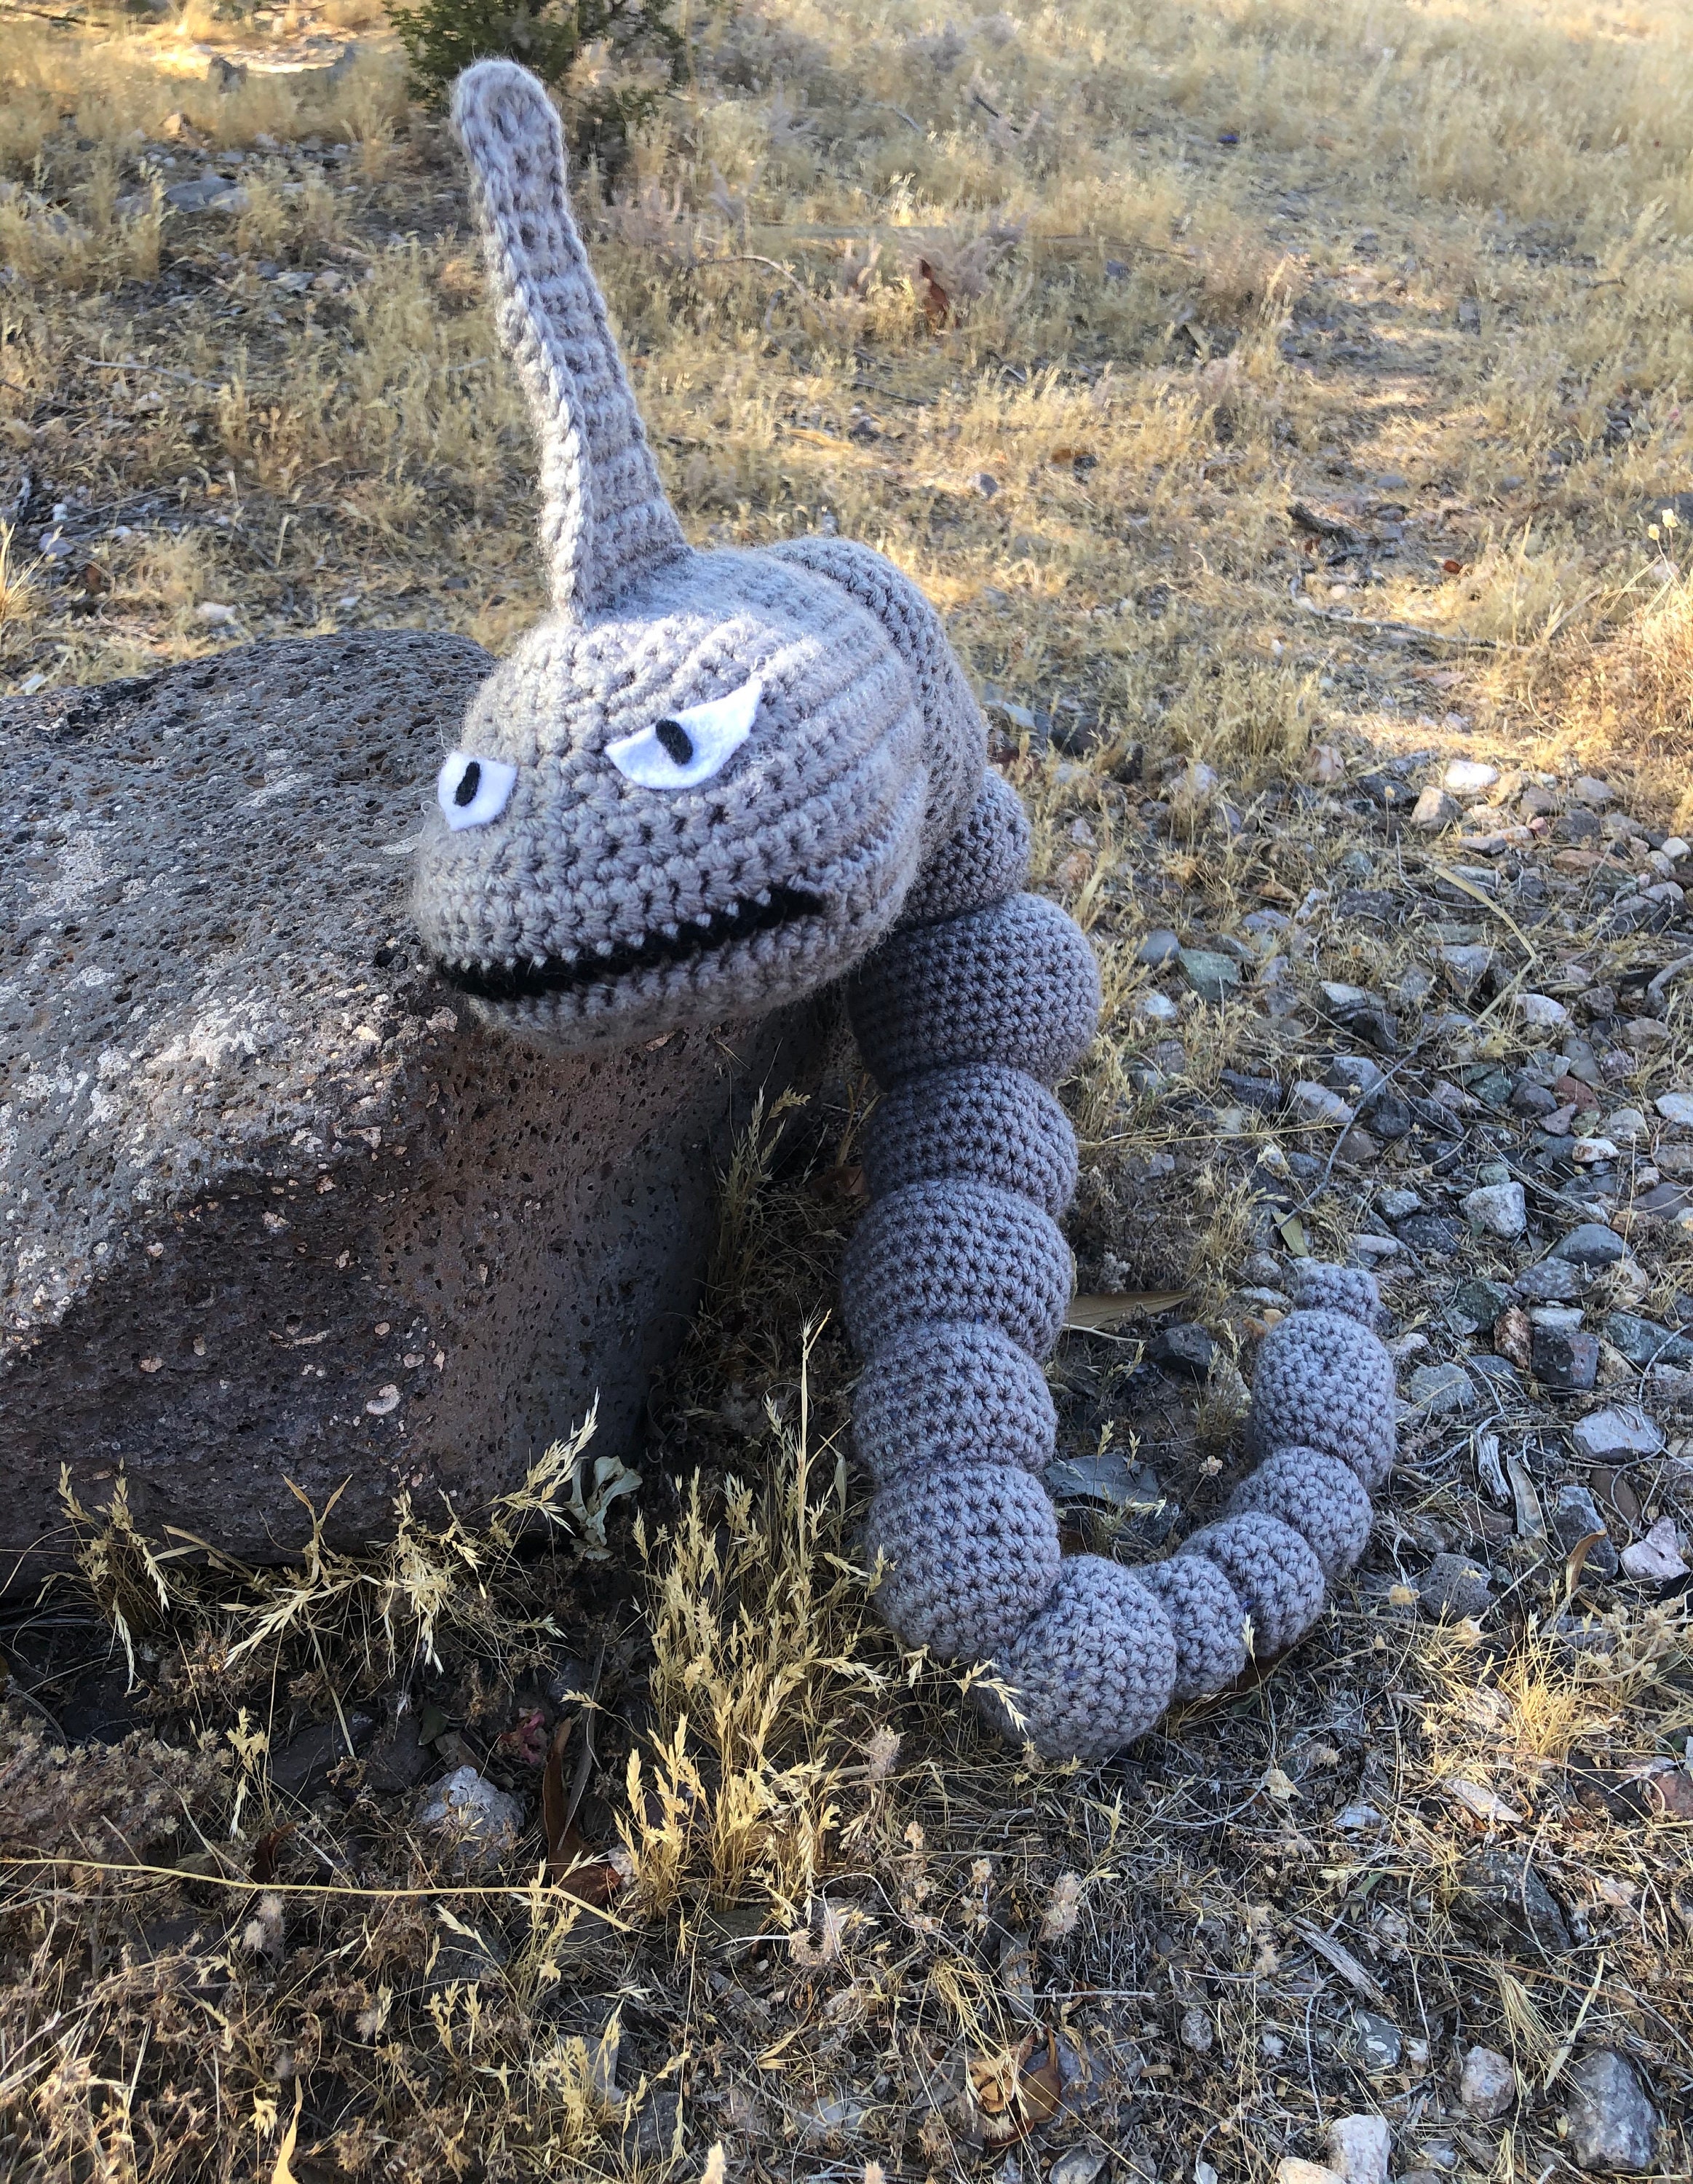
[706, 783]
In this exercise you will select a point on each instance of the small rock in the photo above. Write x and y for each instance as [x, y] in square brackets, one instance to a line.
[1643, 1342]
[1513, 1338]
[1434, 1233]
[1353, 1076]
[1477, 1304]
[1435, 1389]
[1454, 1586]
[1592, 1244]
[1357, 1149]
[1464, 968]
[1360, 2147]
[1316, 1103]
[1391, 1117]
[1566, 1358]
[1493, 1089]
[1666, 1201]
[1434, 811]
[1293, 2171]
[1576, 1517]
[1549, 1281]
[1658, 1558]
[1196, 2031]
[1160, 948]
[397, 1760]
[1365, 1015]
[1396, 1204]
[1263, 1093]
[1468, 777]
[1627, 1127]
[1507, 1899]
[1593, 792]
[302, 1766]
[1183, 1348]
[1540, 1012]
[1622, 1431]
[1078, 2164]
[1676, 1107]
[1373, 2042]
[1498, 1209]
[1156, 1008]
[209, 194]
[1500, 1374]
[1488, 2087]
[480, 1820]
[1529, 1096]
[1613, 2124]
[1592, 1152]
[1213, 977]
[1195, 785]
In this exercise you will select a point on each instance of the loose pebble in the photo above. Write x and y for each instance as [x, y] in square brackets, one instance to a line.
[1612, 2125]
[1488, 2086]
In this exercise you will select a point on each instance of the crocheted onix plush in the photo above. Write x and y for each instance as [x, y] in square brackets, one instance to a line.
[710, 783]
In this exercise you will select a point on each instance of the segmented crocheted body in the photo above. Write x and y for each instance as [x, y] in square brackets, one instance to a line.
[712, 782]
[954, 1289]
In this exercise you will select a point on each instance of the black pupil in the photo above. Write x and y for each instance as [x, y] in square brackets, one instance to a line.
[469, 781]
[677, 742]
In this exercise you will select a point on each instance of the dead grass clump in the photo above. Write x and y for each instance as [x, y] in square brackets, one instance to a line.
[1250, 720]
[762, 1684]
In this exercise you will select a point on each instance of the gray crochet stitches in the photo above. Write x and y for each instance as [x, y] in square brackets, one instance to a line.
[705, 784]
[712, 782]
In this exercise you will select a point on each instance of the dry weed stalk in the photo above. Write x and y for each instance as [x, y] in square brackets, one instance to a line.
[762, 1680]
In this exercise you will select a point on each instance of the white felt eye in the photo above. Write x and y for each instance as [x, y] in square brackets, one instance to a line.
[685, 748]
[471, 791]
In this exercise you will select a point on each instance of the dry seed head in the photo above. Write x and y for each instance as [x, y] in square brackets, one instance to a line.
[1063, 1908]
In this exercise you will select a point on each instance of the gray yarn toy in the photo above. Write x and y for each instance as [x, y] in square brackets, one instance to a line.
[712, 782]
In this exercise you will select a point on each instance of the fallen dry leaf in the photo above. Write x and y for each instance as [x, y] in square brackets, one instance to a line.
[1092, 1314]
[525, 1742]
[1014, 2098]
[265, 1849]
[1576, 1561]
[1482, 1803]
[936, 303]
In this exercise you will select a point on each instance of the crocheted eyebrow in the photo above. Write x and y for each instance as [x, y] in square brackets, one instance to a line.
[605, 519]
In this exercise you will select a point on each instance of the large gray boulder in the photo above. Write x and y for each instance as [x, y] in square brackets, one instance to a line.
[275, 1208]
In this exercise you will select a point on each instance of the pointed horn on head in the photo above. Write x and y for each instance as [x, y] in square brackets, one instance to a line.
[604, 519]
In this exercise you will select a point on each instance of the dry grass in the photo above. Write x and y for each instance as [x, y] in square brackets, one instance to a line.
[1423, 271]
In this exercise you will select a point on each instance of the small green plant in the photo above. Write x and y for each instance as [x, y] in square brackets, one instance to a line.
[442, 37]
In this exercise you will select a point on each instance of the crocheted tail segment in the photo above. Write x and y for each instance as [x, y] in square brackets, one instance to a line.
[954, 1289]
[605, 521]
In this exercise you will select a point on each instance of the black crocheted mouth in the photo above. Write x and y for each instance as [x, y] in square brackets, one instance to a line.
[499, 982]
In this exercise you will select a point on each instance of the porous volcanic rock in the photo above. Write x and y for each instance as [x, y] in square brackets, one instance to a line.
[275, 1207]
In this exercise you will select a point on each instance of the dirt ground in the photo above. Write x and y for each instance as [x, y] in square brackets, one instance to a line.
[1285, 405]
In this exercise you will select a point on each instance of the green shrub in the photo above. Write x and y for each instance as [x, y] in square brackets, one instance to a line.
[442, 37]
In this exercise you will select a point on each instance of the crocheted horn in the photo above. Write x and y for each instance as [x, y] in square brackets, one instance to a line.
[604, 519]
